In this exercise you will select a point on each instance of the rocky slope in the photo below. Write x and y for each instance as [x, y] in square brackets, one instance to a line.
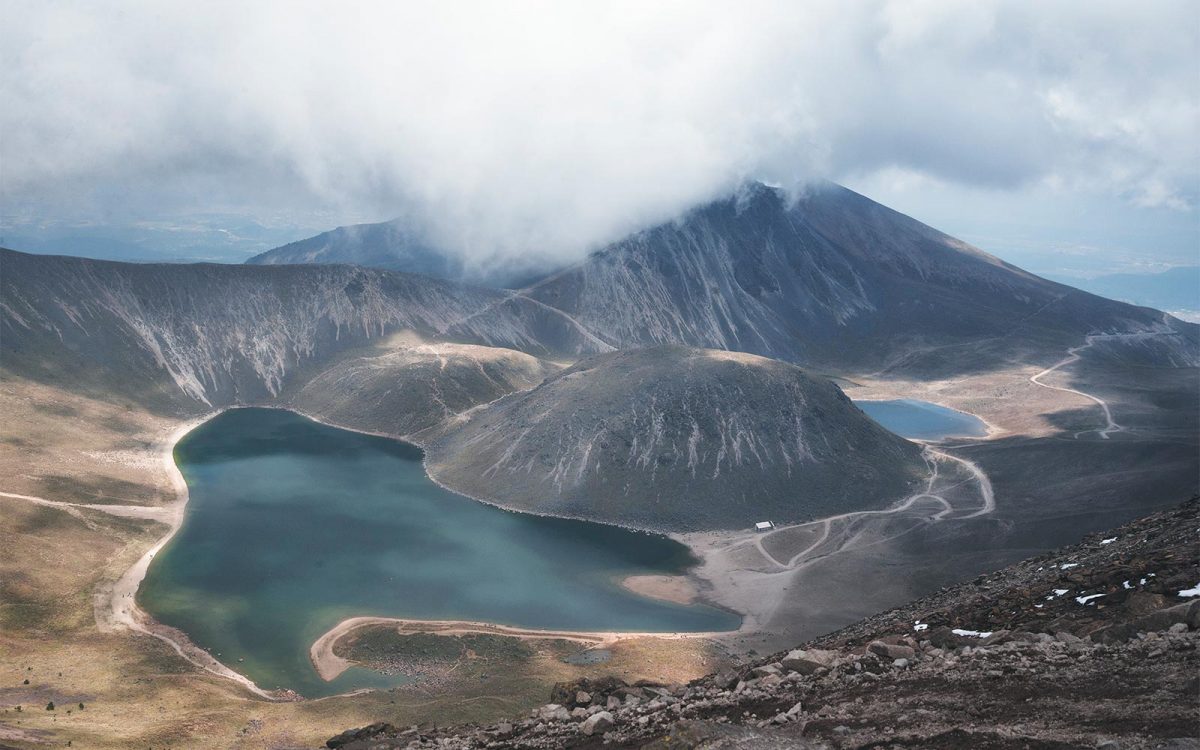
[836, 279]
[674, 438]
[1092, 646]
[190, 337]
[832, 278]
[411, 388]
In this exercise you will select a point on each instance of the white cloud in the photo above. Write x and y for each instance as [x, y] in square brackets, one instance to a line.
[545, 128]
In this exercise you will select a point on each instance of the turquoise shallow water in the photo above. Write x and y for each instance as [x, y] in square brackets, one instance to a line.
[922, 420]
[293, 526]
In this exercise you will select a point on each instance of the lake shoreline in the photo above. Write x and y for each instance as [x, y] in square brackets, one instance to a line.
[123, 611]
[329, 665]
[985, 430]
[117, 608]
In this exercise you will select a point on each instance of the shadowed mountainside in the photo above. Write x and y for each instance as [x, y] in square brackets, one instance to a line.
[681, 439]
[187, 337]
[833, 279]
[389, 245]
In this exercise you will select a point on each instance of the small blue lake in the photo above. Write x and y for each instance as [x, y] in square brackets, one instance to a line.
[293, 526]
[922, 420]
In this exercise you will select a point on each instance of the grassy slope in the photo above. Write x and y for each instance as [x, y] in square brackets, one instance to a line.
[136, 690]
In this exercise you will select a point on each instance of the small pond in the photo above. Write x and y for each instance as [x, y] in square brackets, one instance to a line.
[922, 420]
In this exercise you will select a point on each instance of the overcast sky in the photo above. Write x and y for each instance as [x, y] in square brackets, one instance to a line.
[1058, 129]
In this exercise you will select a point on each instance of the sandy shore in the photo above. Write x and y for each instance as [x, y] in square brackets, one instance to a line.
[116, 606]
[677, 589]
[329, 665]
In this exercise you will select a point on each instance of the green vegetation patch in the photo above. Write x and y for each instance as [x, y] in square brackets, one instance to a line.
[434, 656]
[386, 643]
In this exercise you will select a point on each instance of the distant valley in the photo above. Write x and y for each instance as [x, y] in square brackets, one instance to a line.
[1176, 290]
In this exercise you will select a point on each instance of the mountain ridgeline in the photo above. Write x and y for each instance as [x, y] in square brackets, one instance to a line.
[657, 383]
[190, 337]
[391, 245]
[833, 279]
[828, 278]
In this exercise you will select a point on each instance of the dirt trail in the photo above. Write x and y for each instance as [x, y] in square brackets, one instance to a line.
[1072, 357]
[153, 513]
[933, 456]
[116, 605]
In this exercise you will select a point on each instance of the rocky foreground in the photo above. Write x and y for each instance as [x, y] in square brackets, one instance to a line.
[1094, 645]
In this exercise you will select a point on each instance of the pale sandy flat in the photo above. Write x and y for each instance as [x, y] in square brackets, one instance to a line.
[678, 589]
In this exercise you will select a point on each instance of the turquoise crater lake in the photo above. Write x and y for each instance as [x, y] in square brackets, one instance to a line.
[921, 420]
[293, 526]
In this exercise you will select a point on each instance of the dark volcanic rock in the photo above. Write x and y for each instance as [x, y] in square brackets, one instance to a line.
[352, 736]
[597, 690]
[829, 277]
[836, 279]
[680, 439]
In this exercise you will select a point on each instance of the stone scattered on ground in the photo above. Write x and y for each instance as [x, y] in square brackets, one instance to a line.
[1009, 660]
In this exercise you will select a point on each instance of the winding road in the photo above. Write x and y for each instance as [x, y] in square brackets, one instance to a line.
[1072, 357]
[933, 456]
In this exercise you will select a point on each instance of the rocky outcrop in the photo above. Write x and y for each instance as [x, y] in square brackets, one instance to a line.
[672, 438]
[1089, 676]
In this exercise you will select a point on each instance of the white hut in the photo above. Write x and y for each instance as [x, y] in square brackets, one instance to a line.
[764, 526]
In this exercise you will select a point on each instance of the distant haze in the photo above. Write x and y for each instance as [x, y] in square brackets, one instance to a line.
[542, 130]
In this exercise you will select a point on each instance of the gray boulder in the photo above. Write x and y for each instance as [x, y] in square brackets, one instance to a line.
[597, 723]
[891, 651]
[807, 661]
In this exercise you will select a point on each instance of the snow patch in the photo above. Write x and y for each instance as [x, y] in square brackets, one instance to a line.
[971, 633]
